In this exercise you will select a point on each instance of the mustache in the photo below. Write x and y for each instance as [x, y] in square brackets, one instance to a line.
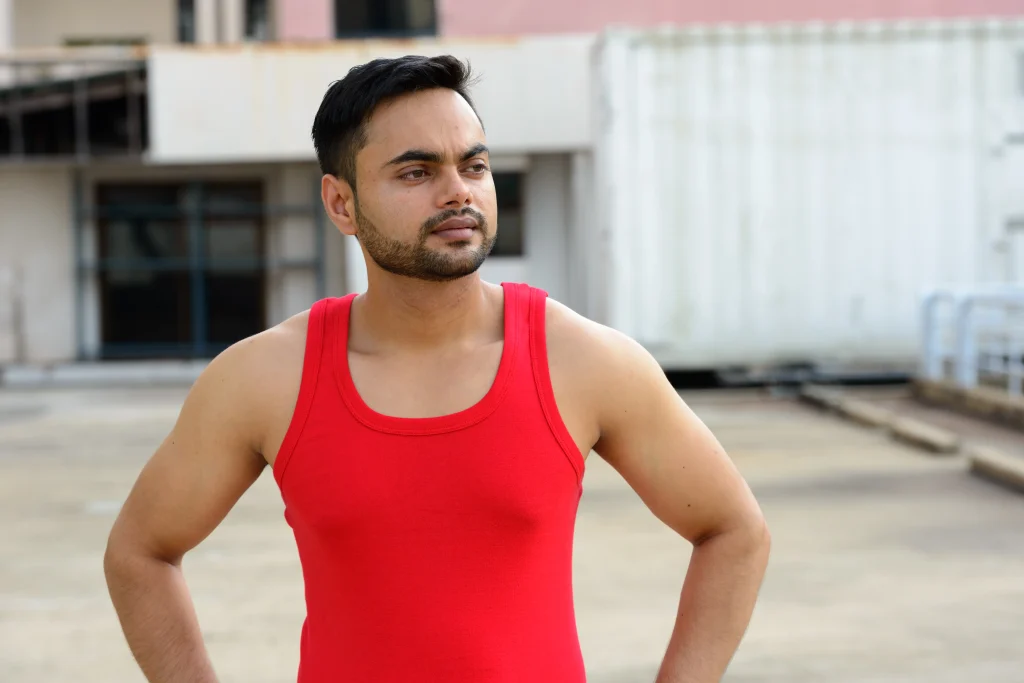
[431, 223]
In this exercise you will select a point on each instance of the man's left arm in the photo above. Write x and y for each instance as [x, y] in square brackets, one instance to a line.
[682, 473]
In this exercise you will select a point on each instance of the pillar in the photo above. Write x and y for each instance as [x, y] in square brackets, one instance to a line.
[207, 18]
[233, 21]
[6, 37]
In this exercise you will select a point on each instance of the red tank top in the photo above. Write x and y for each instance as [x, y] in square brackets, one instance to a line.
[434, 550]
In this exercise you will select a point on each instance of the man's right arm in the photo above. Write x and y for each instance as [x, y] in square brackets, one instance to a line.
[210, 458]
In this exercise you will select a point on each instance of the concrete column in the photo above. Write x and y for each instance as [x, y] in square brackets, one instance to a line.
[6, 37]
[233, 18]
[208, 17]
[6, 25]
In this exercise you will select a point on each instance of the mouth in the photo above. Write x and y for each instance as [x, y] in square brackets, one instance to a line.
[457, 228]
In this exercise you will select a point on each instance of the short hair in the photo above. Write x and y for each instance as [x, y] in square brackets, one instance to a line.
[339, 129]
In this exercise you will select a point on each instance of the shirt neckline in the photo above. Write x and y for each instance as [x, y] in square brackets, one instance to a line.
[427, 425]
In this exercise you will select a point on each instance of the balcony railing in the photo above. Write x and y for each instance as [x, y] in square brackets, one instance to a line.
[73, 104]
[974, 336]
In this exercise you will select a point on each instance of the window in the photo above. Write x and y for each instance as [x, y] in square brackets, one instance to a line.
[257, 19]
[186, 21]
[360, 18]
[181, 268]
[509, 189]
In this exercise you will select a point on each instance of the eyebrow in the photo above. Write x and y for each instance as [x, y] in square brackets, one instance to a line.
[434, 157]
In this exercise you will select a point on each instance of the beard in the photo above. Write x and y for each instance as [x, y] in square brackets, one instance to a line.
[419, 261]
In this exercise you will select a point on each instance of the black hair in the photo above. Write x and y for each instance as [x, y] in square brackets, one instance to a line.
[339, 127]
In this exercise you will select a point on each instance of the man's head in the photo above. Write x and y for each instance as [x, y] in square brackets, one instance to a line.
[406, 168]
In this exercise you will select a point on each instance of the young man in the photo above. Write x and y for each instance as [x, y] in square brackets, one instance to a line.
[429, 438]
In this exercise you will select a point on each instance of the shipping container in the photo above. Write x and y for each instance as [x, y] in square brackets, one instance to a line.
[784, 194]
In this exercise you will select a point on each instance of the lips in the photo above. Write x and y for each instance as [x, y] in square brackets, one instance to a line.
[457, 228]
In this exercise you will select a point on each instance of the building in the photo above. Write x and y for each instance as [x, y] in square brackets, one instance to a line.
[159, 191]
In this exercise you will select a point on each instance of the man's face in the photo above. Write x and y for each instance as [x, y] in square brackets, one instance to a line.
[425, 204]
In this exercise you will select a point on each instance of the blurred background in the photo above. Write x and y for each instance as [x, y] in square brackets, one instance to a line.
[811, 211]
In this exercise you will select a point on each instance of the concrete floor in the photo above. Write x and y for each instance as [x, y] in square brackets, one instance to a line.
[888, 565]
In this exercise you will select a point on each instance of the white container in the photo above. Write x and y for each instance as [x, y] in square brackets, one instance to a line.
[785, 193]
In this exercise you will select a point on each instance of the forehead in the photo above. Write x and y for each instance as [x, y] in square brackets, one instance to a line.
[434, 120]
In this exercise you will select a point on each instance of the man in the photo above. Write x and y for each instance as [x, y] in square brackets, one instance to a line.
[429, 438]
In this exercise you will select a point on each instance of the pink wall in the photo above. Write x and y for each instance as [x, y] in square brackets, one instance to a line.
[314, 19]
[304, 19]
[483, 17]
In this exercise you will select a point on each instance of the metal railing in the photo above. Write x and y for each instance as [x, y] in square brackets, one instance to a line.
[974, 336]
[51, 102]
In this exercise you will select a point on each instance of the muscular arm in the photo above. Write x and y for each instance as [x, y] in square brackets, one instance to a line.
[682, 473]
[210, 458]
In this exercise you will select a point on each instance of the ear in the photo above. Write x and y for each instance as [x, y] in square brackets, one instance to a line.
[339, 203]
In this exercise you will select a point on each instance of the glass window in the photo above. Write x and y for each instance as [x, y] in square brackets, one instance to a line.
[509, 189]
[355, 18]
[186, 21]
[157, 299]
[257, 19]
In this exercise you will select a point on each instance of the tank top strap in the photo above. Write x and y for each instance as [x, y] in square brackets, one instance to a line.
[312, 368]
[535, 344]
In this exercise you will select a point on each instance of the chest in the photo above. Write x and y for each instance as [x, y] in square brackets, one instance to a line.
[501, 475]
[425, 385]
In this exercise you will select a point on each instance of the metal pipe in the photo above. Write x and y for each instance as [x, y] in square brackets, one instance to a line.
[134, 117]
[14, 115]
[81, 107]
[77, 223]
[197, 273]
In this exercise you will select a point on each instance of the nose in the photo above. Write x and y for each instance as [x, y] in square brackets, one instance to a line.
[456, 192]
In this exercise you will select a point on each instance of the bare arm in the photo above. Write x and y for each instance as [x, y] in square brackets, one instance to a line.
[682, 473]
[210, 458]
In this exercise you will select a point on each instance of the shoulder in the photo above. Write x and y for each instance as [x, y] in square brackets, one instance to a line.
[261, 357]
[254, 383]
[604, 352]
[598, 365]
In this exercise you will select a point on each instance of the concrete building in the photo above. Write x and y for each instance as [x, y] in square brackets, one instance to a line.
[159, 192]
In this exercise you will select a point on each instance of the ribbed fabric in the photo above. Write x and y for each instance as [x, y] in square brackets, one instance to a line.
[434, 550]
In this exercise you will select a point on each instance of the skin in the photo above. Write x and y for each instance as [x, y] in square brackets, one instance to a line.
[426, 346]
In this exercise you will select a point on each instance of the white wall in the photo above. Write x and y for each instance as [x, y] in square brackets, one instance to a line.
[36, 252]
[47, 23]
[787, 193]
[221, 105]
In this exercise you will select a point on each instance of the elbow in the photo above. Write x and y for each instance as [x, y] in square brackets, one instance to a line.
[126, 557]
[116, 559]
[757, 541]
[749, 538]
[762, 537]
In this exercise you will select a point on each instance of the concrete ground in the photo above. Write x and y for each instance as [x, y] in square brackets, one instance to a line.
[888, 565]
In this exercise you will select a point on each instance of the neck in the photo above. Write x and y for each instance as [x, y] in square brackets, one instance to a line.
[402, 312]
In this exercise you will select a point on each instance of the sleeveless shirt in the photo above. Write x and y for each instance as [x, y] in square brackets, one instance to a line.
[439, 549]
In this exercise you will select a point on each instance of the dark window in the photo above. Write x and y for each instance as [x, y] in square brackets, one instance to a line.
[257, 19]
[509, 188]
[181, 271]
[360, 18]
[186, 21]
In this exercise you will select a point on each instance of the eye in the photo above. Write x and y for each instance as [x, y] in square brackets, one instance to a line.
[479, 167]
[414, 174]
